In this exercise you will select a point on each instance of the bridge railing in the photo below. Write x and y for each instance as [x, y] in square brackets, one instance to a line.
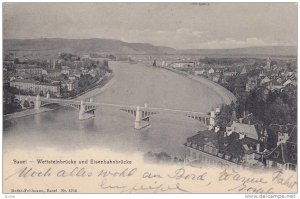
[99, 104]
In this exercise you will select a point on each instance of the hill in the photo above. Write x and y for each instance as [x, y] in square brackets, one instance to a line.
[120, 47]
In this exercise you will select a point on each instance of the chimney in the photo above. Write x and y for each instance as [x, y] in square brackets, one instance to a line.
[258, 147]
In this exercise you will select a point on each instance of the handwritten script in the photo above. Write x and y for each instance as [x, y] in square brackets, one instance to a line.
[181, 179]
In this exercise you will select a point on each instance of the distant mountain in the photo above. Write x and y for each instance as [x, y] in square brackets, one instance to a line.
[120, 47]
[82, 45]
[264, 50]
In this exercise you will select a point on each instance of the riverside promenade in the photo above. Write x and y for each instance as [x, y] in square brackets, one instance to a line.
[226, 95]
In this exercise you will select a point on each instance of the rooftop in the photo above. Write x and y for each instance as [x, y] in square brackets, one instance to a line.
[33, 82]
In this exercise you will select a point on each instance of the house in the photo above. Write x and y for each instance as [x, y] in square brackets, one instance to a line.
[210, 147]
[211, 71]
[244, 71]
[287, 82]
[72, 77]
[199, 72]
[244, 130]
[251, 83]
[216, 77]
[229, 74]
[265, 81]
[36, 87]
[69, 85]
[32, 70]
[284, 155]
[183, 64]
[53, 74]
[65, 71]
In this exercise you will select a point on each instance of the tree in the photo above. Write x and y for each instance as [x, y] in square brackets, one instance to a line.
[224, 117]
[278, 113]
[85, 80]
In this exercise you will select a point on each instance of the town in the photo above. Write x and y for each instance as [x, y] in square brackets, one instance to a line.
[64, 76]
[258, 130]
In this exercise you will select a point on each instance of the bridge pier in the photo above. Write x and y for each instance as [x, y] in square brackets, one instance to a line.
[212, 119]
[38, 102]
[83, 114]
[139, 123]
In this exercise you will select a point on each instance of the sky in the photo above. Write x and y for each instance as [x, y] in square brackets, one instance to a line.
[176, 25]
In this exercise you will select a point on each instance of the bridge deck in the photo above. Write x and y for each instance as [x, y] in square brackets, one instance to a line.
[99, 104]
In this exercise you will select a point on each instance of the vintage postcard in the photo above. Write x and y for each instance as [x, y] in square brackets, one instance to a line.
[150, 98]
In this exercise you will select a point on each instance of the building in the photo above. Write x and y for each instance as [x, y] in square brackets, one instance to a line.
[199, 72]
[216, 77]
[53, 74]
[183, 64]
[36, 87]
[211, 71]
[229, 73]
[265, 81]
[211, 147]
[268, 65]
[30, 70]
[65, 71]
[251, 84]
[69, 85]
[284, 155]
[244, 71]
[244, 130]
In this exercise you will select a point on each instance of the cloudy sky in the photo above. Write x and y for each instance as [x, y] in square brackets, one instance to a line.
[177, 25]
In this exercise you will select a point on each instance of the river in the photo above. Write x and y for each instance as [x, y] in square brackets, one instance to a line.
[132, 84]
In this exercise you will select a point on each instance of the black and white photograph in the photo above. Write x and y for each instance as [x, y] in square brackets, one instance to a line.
[196, 97]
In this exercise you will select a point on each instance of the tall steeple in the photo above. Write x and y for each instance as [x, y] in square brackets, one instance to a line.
[268, 65]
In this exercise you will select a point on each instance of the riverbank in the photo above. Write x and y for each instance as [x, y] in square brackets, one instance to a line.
[226, 95]
[100, 86]
[103, 85]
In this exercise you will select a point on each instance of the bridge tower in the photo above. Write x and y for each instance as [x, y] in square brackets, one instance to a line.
[81, 110]
[38, 102]
[138, 118]
[85, 112]
[140, 122]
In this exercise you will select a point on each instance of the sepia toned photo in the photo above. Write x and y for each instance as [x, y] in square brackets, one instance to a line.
[150, 98]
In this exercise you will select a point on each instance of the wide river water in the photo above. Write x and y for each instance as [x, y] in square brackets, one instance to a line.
[132, 84]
